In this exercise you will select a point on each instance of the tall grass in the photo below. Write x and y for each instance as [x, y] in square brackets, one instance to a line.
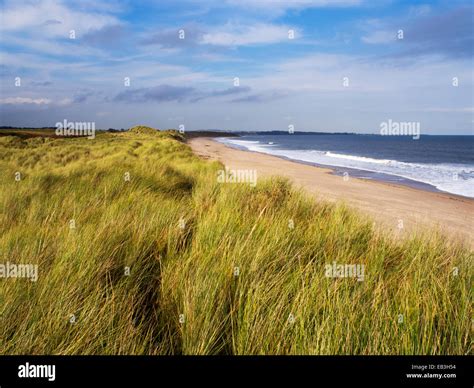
[214, 268]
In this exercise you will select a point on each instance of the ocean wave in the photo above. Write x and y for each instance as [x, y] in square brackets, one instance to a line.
[239, 142]
[452, 178]
[359, 158]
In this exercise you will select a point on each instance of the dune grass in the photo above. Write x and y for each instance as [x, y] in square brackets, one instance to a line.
[141, 250]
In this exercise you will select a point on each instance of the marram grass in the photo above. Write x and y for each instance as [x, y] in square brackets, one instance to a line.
[140, 250]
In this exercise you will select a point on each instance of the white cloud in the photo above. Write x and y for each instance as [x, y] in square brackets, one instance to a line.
[52, 17]
[380, 37]
[24, 100]
[241, 35]
[325, 73]
[283, 5]
[419, 10]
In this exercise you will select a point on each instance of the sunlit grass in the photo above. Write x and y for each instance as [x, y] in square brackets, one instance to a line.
[235, 280]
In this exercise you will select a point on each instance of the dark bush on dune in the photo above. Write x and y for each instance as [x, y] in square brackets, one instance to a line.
[142, 129]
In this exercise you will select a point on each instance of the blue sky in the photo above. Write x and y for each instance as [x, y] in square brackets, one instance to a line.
[290, 57]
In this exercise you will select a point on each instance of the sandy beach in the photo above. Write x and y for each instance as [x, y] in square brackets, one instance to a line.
[386, 203]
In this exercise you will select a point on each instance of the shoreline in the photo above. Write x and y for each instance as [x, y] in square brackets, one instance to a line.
[386, 202]
[397, 180]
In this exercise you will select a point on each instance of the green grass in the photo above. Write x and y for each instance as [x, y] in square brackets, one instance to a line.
[182, 296]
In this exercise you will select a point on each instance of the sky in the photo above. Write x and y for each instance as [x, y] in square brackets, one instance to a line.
[315, 65]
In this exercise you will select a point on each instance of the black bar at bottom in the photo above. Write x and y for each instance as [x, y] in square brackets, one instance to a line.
[137, 371]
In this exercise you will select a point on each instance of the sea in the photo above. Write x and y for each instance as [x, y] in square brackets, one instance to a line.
[434, 163]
